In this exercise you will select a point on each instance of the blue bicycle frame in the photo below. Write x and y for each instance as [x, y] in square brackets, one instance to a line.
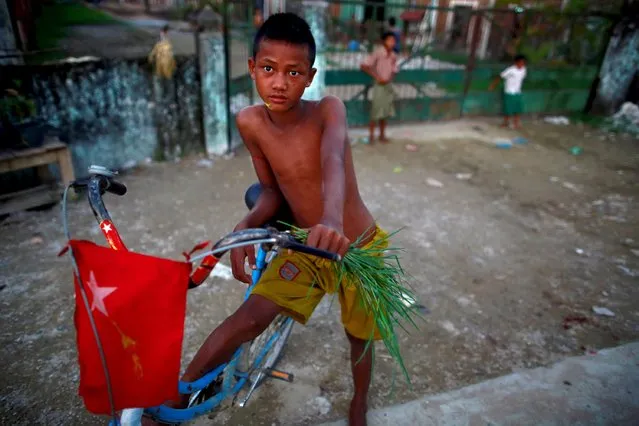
[177, 415]
[234, 380]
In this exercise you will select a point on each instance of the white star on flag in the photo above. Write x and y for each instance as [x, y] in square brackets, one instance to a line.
[99, 294]
[106, 227]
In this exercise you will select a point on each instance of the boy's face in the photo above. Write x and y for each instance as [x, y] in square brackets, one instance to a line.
[389, 42]
[520, 63]
[282, 71]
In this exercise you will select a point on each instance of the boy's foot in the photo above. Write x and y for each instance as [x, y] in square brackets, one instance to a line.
[357, 413]
[384, 139]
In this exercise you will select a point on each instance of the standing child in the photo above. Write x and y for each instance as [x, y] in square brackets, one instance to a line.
[303, 160]
[161, 56]
[382, 66]
[513, 77]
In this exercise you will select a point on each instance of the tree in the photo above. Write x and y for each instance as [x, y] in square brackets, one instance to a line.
[620, 63]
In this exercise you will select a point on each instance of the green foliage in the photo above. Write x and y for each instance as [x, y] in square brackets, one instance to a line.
[380, 279]
[15, 107]
[574, 36]
[55, 18]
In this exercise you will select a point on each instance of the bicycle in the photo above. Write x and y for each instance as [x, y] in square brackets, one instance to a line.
[254, 361]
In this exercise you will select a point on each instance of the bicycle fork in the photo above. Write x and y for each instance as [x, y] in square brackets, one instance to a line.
[267, 369]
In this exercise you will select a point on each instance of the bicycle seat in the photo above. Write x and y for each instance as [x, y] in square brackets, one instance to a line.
[284, 214]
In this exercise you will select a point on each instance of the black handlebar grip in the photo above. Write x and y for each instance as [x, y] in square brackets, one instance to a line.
[294, 245]
[116, 188]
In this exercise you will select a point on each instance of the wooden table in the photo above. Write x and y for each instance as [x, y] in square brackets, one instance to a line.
[50, 153]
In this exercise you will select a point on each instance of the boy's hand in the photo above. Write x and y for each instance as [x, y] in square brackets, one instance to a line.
[329, 238]
[238, 258]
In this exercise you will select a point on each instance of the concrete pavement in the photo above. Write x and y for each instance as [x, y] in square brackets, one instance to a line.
[597, 389]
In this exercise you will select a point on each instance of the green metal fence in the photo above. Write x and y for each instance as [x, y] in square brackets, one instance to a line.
[448, 56]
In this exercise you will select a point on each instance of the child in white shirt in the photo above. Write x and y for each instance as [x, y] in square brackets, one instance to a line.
[513, 77]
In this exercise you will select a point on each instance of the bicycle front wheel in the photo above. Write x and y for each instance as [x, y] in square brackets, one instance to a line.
[266, 350]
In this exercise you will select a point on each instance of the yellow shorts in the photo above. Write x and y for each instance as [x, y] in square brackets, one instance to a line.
[297, 282]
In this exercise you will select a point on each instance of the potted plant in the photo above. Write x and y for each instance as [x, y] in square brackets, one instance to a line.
[18, 128]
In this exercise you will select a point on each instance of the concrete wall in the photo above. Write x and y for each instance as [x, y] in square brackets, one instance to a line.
[113, 112]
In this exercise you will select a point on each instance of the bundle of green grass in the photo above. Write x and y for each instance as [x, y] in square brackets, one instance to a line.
[377, 272]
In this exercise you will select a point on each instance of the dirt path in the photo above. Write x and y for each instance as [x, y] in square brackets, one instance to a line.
[509, 250]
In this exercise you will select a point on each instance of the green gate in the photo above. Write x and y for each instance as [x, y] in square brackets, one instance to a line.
[449, 56]
[429, 85]
[564, 53]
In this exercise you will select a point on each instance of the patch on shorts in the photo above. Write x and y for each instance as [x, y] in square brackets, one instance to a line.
[289, 271]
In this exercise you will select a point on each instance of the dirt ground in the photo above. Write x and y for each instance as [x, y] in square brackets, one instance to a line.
[509, 249]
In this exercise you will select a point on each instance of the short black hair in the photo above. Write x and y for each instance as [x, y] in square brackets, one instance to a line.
[392, 21]
[520, 58]
[387, 34]
[287, 27]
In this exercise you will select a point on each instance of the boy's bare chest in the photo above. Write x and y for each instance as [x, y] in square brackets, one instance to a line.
[293, 154]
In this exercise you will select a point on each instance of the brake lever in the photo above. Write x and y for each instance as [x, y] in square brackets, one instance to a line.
[282, 238]
[102, 171]
[287, 241]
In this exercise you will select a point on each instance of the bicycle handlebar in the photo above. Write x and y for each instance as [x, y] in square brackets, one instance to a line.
[101, 181]
[302, 248]
[115, 187]
[281, 239]
[248, 237]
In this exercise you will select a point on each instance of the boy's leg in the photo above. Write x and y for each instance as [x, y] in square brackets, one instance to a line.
[508, 108]
[371, 131]
[387, 100]
[360, 326]
[382, 131]
[518, 108]
[516, 122]
[373, 117]
[362, 367]
[248, 322]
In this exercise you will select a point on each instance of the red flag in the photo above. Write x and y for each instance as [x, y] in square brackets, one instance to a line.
[138, 303]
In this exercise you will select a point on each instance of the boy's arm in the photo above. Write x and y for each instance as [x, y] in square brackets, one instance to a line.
[328, 234]
[494, 83]
[369, 70]
[497, 79]
[368, 67]
[267, 204]
[271, 198]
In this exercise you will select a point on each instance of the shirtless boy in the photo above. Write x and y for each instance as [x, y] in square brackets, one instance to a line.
[302, 157]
